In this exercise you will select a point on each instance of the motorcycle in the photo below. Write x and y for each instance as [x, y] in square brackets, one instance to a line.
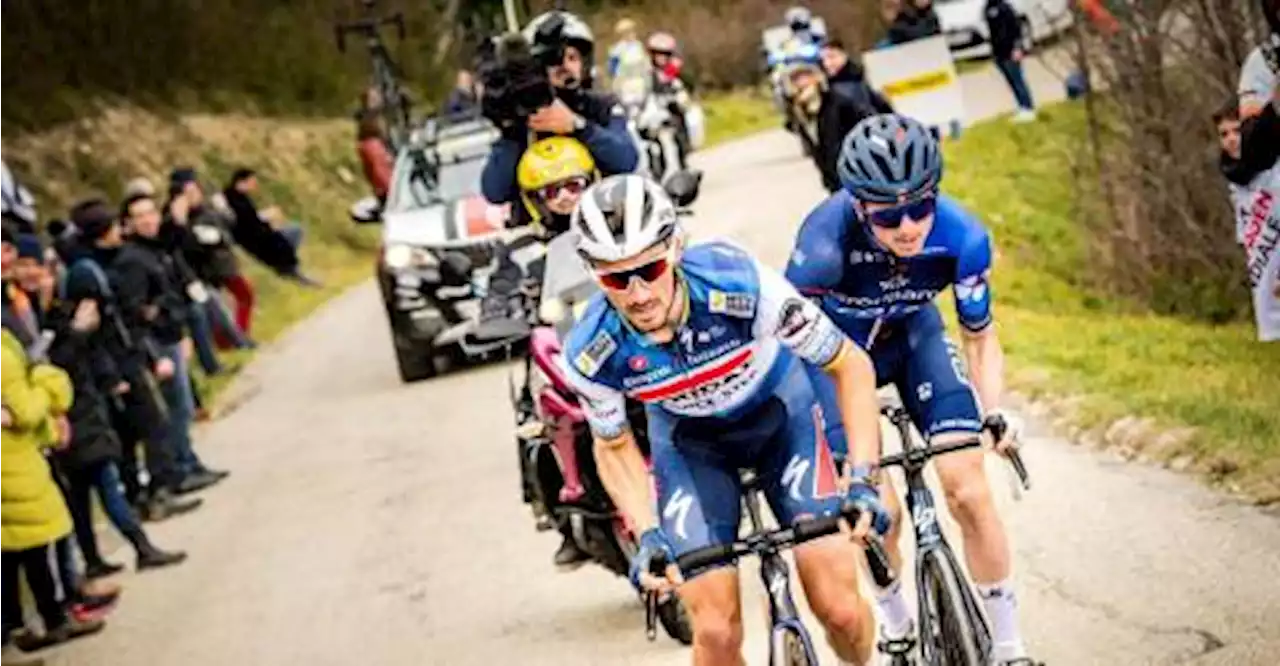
[557, 463]
[661, 128]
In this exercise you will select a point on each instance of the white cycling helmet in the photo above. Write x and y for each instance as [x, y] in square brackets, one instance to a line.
[622, 216]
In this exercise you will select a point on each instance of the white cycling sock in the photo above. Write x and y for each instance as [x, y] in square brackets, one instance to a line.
[1001, 604]
[894, 612]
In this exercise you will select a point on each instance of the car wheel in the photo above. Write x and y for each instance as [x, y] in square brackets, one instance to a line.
[416, 364]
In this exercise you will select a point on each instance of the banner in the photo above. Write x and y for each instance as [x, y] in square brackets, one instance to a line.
[1258, 230]
[920, 80]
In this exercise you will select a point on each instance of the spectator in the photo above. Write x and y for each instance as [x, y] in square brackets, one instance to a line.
[32, 514]
[124, 283]
[262, 233]
[627, 57]
[19, 207]
[168, 325]
[1006, 48]
[375, 158]
[463, 99]
[19, 314]
[1253, 196]
[201, 234]
[1259, 92]
[916, 19]
[846, 101]
[30, 275]
[90, 462]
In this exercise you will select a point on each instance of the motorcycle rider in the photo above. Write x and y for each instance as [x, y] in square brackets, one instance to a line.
[791, 62]
[563, 43]
[667, 63]
[627, 55]
[715, 344]
[803, 29]
[875, 255]
[553, 174]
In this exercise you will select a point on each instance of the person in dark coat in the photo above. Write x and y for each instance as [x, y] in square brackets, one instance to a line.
[261, 232]
[463, 98]
[90, 462]
[1005, 29]
[169, 327]
[847, 100]
[116, 276]
[916, 20]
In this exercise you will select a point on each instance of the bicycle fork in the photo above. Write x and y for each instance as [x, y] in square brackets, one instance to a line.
[784, 619]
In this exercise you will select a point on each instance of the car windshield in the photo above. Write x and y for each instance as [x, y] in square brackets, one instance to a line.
[416, 183]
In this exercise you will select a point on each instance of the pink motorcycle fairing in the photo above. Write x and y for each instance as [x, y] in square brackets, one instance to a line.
[560, 406]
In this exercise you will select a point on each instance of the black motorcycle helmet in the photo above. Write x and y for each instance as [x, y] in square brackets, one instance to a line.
[551, 33]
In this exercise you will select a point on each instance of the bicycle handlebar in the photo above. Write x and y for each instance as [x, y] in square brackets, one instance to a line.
[780, 539]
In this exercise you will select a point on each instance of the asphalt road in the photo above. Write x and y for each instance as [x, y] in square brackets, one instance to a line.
[372, 523]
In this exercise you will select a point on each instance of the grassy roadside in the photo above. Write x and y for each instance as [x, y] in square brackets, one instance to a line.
[1116, 359]
[1183, 393]
[307, 167]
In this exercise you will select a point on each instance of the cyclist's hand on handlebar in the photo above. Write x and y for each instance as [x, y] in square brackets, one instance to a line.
[655, 552]
[864, 498]
[1005, 428]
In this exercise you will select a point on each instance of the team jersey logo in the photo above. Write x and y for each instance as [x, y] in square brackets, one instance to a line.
[589, 360]
[732, 304]
[638, 363]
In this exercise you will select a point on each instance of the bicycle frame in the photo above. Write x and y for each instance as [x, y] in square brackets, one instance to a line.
[776, 577]
[929, 536]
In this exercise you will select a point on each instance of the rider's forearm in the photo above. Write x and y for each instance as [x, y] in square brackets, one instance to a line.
[626, 478]
[855, 380]
[985, 358]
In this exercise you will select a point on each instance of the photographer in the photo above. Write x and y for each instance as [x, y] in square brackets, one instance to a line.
[540, 86]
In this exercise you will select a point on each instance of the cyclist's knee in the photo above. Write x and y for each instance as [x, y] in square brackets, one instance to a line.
[715, 612]
[965, 483]
[828, 571]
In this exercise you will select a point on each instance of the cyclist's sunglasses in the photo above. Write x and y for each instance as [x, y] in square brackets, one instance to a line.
[891, 218]
[573, 186]
[621, 280]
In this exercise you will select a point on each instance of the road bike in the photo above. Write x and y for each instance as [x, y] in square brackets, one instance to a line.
[789, 641]
[952, 628]
[386, 74]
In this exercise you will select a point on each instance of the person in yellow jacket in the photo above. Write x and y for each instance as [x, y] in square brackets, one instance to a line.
[33, 514]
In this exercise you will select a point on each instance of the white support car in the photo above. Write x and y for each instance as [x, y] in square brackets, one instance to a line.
[965, 24]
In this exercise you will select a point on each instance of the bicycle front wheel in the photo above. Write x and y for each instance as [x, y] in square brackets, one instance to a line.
[789, 646]
[949, 635]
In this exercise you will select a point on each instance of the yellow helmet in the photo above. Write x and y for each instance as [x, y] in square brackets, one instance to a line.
[547, 162]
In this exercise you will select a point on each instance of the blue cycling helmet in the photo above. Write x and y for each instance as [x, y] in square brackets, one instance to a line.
[889, 158]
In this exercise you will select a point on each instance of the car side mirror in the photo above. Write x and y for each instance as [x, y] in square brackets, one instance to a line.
[682, 186]
[366, 211]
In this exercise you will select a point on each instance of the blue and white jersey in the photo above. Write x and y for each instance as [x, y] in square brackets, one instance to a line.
[727, 356]
[862, 285]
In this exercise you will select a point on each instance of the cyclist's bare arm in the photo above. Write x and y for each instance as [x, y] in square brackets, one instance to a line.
[855, 380]
[625, 476]
[985, 358]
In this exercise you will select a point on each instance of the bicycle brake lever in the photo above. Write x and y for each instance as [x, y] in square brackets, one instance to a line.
[878, 562]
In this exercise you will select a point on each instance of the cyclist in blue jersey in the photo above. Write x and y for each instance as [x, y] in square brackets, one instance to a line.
[875, 255]
[715, 345]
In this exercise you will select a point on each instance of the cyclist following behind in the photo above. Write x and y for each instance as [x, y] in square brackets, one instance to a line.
[561, 44]
[715, 345]
[875, 254]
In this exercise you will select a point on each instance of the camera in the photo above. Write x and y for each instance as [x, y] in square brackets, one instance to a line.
[514, 79]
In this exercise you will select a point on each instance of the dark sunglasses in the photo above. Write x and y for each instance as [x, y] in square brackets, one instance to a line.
[621, 280]
[891, 218]
[573, 186]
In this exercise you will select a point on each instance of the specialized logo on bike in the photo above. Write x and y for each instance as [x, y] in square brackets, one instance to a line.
[589, 360]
